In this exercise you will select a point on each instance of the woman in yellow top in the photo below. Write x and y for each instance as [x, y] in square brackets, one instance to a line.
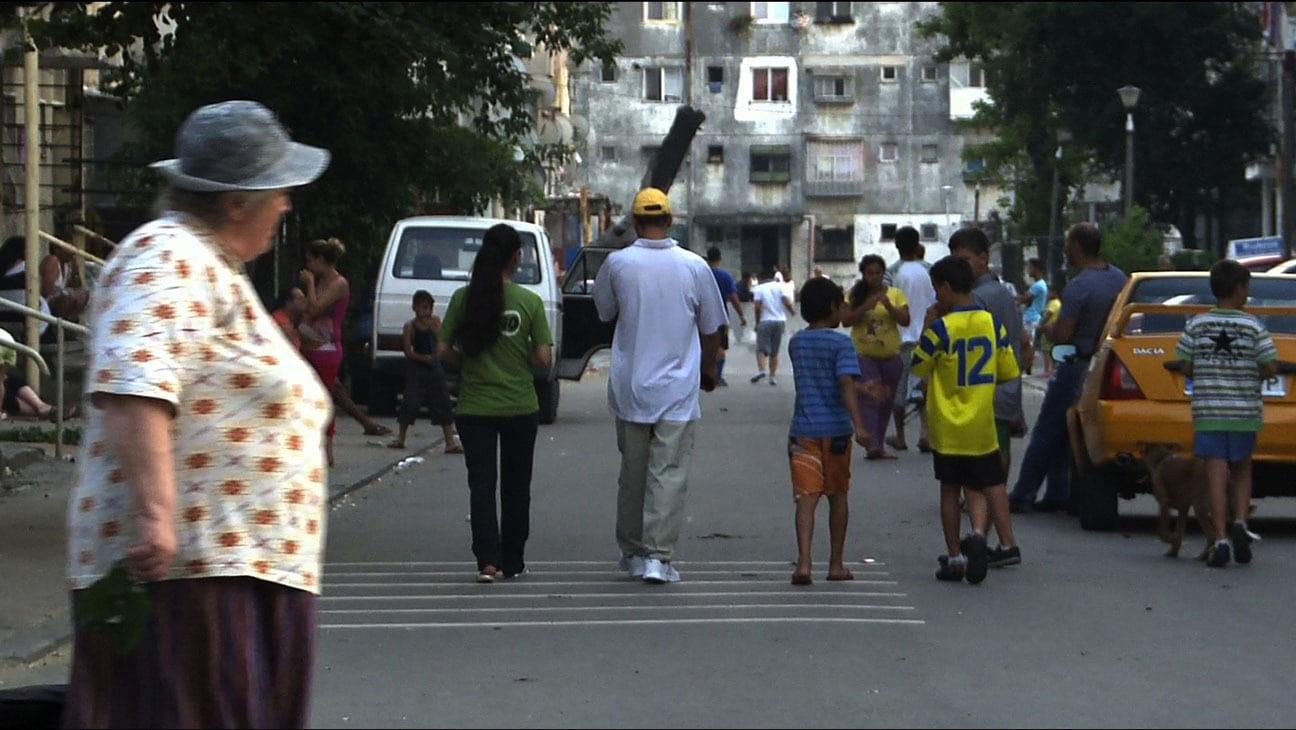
[876, 314]
[1050, 316]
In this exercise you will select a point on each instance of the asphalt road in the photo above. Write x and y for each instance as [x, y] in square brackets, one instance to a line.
[1094, 629]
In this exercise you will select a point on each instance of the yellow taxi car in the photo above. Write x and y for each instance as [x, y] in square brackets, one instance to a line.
[1129, 399]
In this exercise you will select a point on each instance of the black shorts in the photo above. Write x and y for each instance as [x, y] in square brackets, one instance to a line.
[724, 337]
[973, 472]
[425, 386]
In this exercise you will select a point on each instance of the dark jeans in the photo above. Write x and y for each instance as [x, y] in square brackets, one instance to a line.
[1049, 451]
[499, 543]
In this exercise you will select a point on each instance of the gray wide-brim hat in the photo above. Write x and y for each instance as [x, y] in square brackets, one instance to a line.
[239, 145]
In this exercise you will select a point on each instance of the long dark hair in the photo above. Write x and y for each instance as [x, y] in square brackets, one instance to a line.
[859, 292]
[484, 302]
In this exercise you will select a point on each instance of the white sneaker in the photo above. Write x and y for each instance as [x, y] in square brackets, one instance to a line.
[632, 564]
[657, 572]
[773, 382]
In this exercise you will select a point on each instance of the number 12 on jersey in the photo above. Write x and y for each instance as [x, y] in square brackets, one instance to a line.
[977, 351]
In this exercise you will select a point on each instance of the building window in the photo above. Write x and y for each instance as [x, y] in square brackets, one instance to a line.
[608, 153]
[715, 78]
[715, 154]
[929, 74]
[890, 74]
[930, 153]
[833, 88]
[975, 167]
[889, 231]
[833, 13]
[664, 84]
[770, 13]
[662, 12]
[890, 152]
[714, 235]
[770, 84]
[976, 76]
[835, 244]
[835, 162]
[929, 232]
[771, 164]
[609, 73]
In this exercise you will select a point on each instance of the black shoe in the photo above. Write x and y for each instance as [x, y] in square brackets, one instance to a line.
[974, 547]
[1002, 557]
[1241, 543]
[1019, 507]
[1048, 506]
[758, 377]
[1220, 554]
[950, 573]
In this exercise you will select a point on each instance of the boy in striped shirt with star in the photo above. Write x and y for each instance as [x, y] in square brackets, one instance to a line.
[963, 355]
[1228, 354]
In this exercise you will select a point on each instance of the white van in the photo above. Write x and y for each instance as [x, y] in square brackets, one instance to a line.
[436, 253]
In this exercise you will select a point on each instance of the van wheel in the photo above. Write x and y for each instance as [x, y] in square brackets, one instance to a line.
[1097, 499]
[382, 395]
[549, 393]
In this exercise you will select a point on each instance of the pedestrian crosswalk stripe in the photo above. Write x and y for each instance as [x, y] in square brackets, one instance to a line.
[604, 563]
[623, 581]
[536, 609]
[630, 622]
[491, 595]
[603, 573]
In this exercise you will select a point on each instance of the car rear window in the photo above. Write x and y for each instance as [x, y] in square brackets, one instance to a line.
[439, 253]
[1196, 290]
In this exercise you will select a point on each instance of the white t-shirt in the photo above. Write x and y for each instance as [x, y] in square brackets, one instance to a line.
[770, 296]
[661, 297]
[914, 279]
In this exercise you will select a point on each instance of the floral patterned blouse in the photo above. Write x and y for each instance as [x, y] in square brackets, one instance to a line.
[175, 318]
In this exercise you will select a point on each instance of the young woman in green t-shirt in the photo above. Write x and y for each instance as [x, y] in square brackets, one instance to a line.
[495, 332]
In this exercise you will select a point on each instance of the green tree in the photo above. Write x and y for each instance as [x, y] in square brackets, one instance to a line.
[1053, 66]
[1133, 243]
[417, 101]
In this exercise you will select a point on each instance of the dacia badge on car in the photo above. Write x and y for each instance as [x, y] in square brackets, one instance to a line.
[1149, 351]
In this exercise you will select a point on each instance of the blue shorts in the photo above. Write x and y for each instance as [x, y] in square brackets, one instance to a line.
[1232, 446]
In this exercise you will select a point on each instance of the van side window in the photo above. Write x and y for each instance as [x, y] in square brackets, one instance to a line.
[580, 277]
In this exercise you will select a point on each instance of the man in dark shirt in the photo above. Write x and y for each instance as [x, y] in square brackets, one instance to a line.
[729, 293]
[1085, 306]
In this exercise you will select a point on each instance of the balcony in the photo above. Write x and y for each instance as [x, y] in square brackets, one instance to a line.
[833, 188]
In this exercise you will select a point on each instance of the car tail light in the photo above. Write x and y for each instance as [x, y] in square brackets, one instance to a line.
[391, 342]
[1119, 383]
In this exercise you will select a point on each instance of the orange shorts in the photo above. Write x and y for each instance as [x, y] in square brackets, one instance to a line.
[820, 466]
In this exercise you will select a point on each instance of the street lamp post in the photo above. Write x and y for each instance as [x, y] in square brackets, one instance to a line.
[1051, 254]
[1129, 96]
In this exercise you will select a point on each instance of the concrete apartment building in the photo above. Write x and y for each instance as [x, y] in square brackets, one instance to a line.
[828, 126]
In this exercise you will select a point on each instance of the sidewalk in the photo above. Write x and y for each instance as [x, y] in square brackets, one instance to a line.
[34, 616]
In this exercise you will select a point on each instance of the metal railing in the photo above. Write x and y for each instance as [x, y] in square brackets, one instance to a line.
[62, 325]
[73, 248]
[97, 236]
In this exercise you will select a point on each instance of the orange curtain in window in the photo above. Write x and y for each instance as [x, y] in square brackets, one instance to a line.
[760, 84]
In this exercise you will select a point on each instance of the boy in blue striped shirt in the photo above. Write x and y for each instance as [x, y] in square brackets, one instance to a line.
[826, 418]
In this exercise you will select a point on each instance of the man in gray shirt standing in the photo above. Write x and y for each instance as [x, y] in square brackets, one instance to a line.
[1085, 305]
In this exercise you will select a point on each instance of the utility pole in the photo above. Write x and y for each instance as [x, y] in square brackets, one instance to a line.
[1286, 179]
[31, 124]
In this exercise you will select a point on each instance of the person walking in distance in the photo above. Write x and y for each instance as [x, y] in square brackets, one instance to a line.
[327, 296]
[1086, 303]
[729, 293]
[773, 307]
[876, 314]
[495, 332]
[668, 314]
[910, 275]
[1036, 301]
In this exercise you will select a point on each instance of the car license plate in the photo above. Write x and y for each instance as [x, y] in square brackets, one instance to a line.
[1275, 387]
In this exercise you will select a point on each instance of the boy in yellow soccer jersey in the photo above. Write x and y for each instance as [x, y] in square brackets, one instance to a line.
[962, 355]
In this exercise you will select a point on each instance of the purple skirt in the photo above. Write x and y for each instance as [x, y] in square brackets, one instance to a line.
[217, 653]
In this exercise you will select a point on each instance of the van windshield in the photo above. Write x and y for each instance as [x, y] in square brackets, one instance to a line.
[446, 254]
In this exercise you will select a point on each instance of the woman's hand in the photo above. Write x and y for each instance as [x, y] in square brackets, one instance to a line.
[306, 277]
[151, 556]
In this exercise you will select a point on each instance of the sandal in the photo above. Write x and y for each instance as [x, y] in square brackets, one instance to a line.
[455, 447]
[379, 431]
[891, 441]
[848, 575]
[802, 579]
[396, 445]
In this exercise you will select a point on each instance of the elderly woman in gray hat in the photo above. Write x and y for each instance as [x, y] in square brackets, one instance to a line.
[202, 467]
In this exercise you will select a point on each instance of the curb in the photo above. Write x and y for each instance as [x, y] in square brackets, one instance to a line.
[52, 634]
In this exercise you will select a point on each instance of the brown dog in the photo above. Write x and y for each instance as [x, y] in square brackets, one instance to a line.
[1179, 483]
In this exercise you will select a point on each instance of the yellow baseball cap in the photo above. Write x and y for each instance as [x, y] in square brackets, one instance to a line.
[651, 202]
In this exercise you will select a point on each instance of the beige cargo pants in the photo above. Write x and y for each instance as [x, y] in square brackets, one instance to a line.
[655, 461]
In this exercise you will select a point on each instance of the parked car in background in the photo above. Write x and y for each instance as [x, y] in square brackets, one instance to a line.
[1130, 400]
[1260, 264]
[1286, 267]
[436, 253]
